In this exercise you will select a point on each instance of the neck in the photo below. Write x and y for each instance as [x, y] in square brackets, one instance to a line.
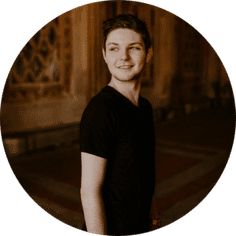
[129, 89]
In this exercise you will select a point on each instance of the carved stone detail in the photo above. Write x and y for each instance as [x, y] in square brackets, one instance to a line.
[43, 67]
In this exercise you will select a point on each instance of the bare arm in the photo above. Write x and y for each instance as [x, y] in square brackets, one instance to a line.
[93, 173]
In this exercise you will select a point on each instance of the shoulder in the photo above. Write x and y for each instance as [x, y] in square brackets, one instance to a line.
[99, 106]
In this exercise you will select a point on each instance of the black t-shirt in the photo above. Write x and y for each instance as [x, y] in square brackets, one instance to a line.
[114, 128]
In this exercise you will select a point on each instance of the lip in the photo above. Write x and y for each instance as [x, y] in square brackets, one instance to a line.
[125, 66]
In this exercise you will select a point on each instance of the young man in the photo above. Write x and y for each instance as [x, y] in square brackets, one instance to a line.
[117, 137]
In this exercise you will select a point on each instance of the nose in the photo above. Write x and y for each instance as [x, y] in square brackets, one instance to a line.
[125, 55]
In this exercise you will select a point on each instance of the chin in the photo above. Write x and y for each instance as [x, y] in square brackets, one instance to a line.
[126, 78]
[122, 79]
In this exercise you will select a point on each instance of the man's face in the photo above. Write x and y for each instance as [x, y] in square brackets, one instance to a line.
[125, 54]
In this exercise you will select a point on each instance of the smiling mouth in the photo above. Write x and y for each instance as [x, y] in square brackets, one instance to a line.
[125, 66]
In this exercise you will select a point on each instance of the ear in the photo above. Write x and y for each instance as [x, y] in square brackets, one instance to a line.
[149, 55]
[104, 54]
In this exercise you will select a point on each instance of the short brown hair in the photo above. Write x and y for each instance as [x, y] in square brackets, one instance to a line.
[127, 21]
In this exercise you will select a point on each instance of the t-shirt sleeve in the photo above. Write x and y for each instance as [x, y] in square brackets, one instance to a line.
[97, 131]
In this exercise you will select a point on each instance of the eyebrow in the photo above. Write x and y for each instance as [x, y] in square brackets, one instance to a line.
[134, 43]
[112, 44]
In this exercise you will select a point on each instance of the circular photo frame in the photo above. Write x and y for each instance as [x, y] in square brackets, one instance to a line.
[61, 68]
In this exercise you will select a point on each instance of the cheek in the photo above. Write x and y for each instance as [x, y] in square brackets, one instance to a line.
[139, 57]
[140, 62]
[110, 59]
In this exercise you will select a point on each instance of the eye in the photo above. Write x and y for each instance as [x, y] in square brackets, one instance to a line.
[113, 49]
[135, 48]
